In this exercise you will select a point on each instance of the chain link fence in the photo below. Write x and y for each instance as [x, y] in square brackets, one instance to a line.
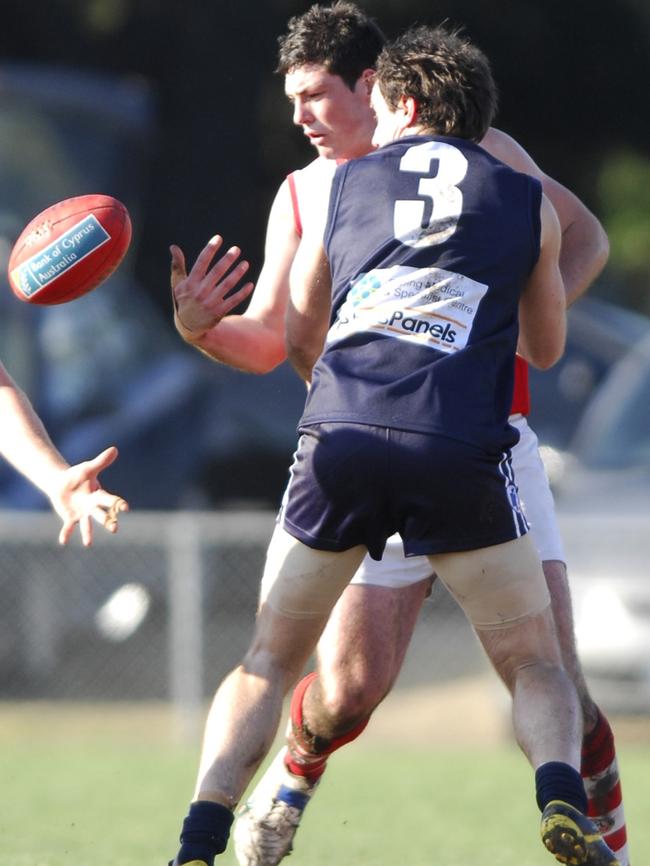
[161, 611]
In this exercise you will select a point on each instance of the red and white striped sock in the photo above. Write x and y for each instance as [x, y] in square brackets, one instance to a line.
[307, 754]
[600, 775]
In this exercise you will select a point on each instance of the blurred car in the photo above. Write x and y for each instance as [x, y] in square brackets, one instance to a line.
[602, 487]
[599, 335]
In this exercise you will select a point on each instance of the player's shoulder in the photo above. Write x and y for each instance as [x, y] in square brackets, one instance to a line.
[315, 171]
[506, 149]
[303, 181]
[313, 182]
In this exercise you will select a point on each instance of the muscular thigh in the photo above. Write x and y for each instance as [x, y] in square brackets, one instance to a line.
[496, 586]
[368, 634]
[302, 583]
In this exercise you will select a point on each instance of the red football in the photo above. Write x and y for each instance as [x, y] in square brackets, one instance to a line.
[69, 249]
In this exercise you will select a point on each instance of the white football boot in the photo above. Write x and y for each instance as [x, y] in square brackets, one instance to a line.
[267, 822]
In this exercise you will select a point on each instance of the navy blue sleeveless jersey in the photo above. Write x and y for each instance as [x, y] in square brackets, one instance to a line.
[430, 242]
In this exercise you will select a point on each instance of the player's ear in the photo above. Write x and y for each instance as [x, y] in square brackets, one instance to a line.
[409, 110]
[368, 79]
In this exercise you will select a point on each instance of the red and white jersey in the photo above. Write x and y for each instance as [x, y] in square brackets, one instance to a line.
[310, 189]
[521, 392]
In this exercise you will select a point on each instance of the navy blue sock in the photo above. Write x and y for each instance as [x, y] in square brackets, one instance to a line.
[556, 780]
[205, 832]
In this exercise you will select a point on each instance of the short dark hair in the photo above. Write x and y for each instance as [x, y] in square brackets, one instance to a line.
[340, 37]
[449, 78]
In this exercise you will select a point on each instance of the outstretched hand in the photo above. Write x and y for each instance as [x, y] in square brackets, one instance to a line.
[200, 300]
[78, 498]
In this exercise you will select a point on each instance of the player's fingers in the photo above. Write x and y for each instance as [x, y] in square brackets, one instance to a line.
[220, 268]
[109, 501]
[236, 298]
[66, 531]
[111, 526]
[116, 507]
[107, 508]
[230, 281]
[105, 518]
[200, 267]
[103, 460]
[178, 271]
[86, 529]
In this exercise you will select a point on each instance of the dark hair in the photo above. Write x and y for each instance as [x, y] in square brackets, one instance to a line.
[340, 37]
[449, 78]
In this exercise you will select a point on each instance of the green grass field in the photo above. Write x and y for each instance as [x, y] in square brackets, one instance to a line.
[112, 794]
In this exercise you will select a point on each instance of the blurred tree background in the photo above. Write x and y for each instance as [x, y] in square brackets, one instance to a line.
[573, 78]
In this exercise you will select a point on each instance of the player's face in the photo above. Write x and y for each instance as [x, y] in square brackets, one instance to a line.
[389, 123]
[337, 121]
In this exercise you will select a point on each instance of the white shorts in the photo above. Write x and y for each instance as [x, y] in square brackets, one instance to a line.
[395, 569]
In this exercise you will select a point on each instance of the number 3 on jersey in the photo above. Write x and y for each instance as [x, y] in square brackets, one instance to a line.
[409, 223]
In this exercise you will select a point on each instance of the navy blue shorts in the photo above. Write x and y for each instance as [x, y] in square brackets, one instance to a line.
[355, 484]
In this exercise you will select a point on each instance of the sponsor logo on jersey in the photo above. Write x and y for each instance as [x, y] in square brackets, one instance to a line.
[429, 306]
[54, 260]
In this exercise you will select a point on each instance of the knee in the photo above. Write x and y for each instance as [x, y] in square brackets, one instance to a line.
[267, 664]
[542, 672]
[349, 700]
[259, 662]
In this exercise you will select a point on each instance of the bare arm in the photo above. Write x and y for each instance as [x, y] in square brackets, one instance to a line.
[309, 306]
[74, 491]
[542, 308]
[253, 341]
[585, 248]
